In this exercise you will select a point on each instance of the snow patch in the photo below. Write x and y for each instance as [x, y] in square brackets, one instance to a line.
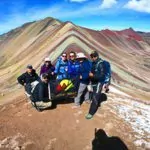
[136, 114]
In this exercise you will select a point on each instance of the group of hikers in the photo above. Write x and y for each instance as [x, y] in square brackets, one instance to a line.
[88, 76]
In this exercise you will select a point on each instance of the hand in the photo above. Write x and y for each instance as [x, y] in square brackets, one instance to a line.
[52, 73]
[91, 74]
[80, 77]
[106, 87]
[24, 84]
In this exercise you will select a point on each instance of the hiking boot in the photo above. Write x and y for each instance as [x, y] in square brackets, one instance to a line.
[75, 106]
[89, 116]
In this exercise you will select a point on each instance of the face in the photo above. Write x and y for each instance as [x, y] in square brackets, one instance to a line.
[29, 70]
[64, 56]
[94, 58]
[45, 80]
[72, 56]
[81, 60]
[47, 63]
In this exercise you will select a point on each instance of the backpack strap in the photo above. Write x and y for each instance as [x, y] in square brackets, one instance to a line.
[100, 66]
[100, 62]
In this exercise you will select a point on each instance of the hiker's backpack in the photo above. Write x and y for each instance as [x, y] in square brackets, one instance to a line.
[106, 70]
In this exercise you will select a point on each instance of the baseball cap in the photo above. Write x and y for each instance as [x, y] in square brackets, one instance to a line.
[29, 66]
[94, 54]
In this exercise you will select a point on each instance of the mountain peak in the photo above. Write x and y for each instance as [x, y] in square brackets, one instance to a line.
[130, 33]
[131, 29]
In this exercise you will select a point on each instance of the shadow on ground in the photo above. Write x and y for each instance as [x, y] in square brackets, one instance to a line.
[61, 100]
[104, 142]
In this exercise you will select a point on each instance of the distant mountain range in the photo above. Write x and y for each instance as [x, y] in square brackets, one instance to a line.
[128, 52]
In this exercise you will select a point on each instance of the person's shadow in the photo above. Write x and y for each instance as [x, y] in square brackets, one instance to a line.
[61, 100]
[104, 142]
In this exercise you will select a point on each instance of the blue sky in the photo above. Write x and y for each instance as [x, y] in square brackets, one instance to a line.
[94, 14]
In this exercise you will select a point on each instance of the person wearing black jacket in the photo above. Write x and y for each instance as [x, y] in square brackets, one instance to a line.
[41, 94]
[27, 78]
[97, 77]
[43, 88]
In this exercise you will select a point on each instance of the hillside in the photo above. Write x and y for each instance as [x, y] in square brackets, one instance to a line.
[126, 50]
[146, 36]
[124, 114]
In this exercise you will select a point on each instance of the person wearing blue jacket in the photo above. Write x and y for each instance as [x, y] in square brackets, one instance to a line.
[73, 66]
[61, 67]
[84, 70]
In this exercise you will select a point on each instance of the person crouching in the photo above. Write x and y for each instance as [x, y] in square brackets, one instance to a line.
[41, 94]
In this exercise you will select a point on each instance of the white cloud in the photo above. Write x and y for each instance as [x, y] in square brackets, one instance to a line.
[139, 5]
[78, 1]
[108, 4]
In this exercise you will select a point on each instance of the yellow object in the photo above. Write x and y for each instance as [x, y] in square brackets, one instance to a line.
[68, 84]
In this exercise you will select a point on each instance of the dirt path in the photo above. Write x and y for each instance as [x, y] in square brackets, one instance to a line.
[62, 128]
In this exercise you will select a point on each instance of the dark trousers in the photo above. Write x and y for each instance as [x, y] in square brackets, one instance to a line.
[96, 98]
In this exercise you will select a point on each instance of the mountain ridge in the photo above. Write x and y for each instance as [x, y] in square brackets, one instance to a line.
[124, 112]
[34, 41]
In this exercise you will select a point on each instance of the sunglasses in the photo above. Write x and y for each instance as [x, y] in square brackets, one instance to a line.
[71, 56]
[45, 78]
[93, 56]
[64, 56]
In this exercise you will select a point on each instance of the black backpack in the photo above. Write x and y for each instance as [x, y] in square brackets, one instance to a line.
[106, 70]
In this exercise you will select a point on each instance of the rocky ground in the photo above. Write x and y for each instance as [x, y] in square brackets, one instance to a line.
[63, 128]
